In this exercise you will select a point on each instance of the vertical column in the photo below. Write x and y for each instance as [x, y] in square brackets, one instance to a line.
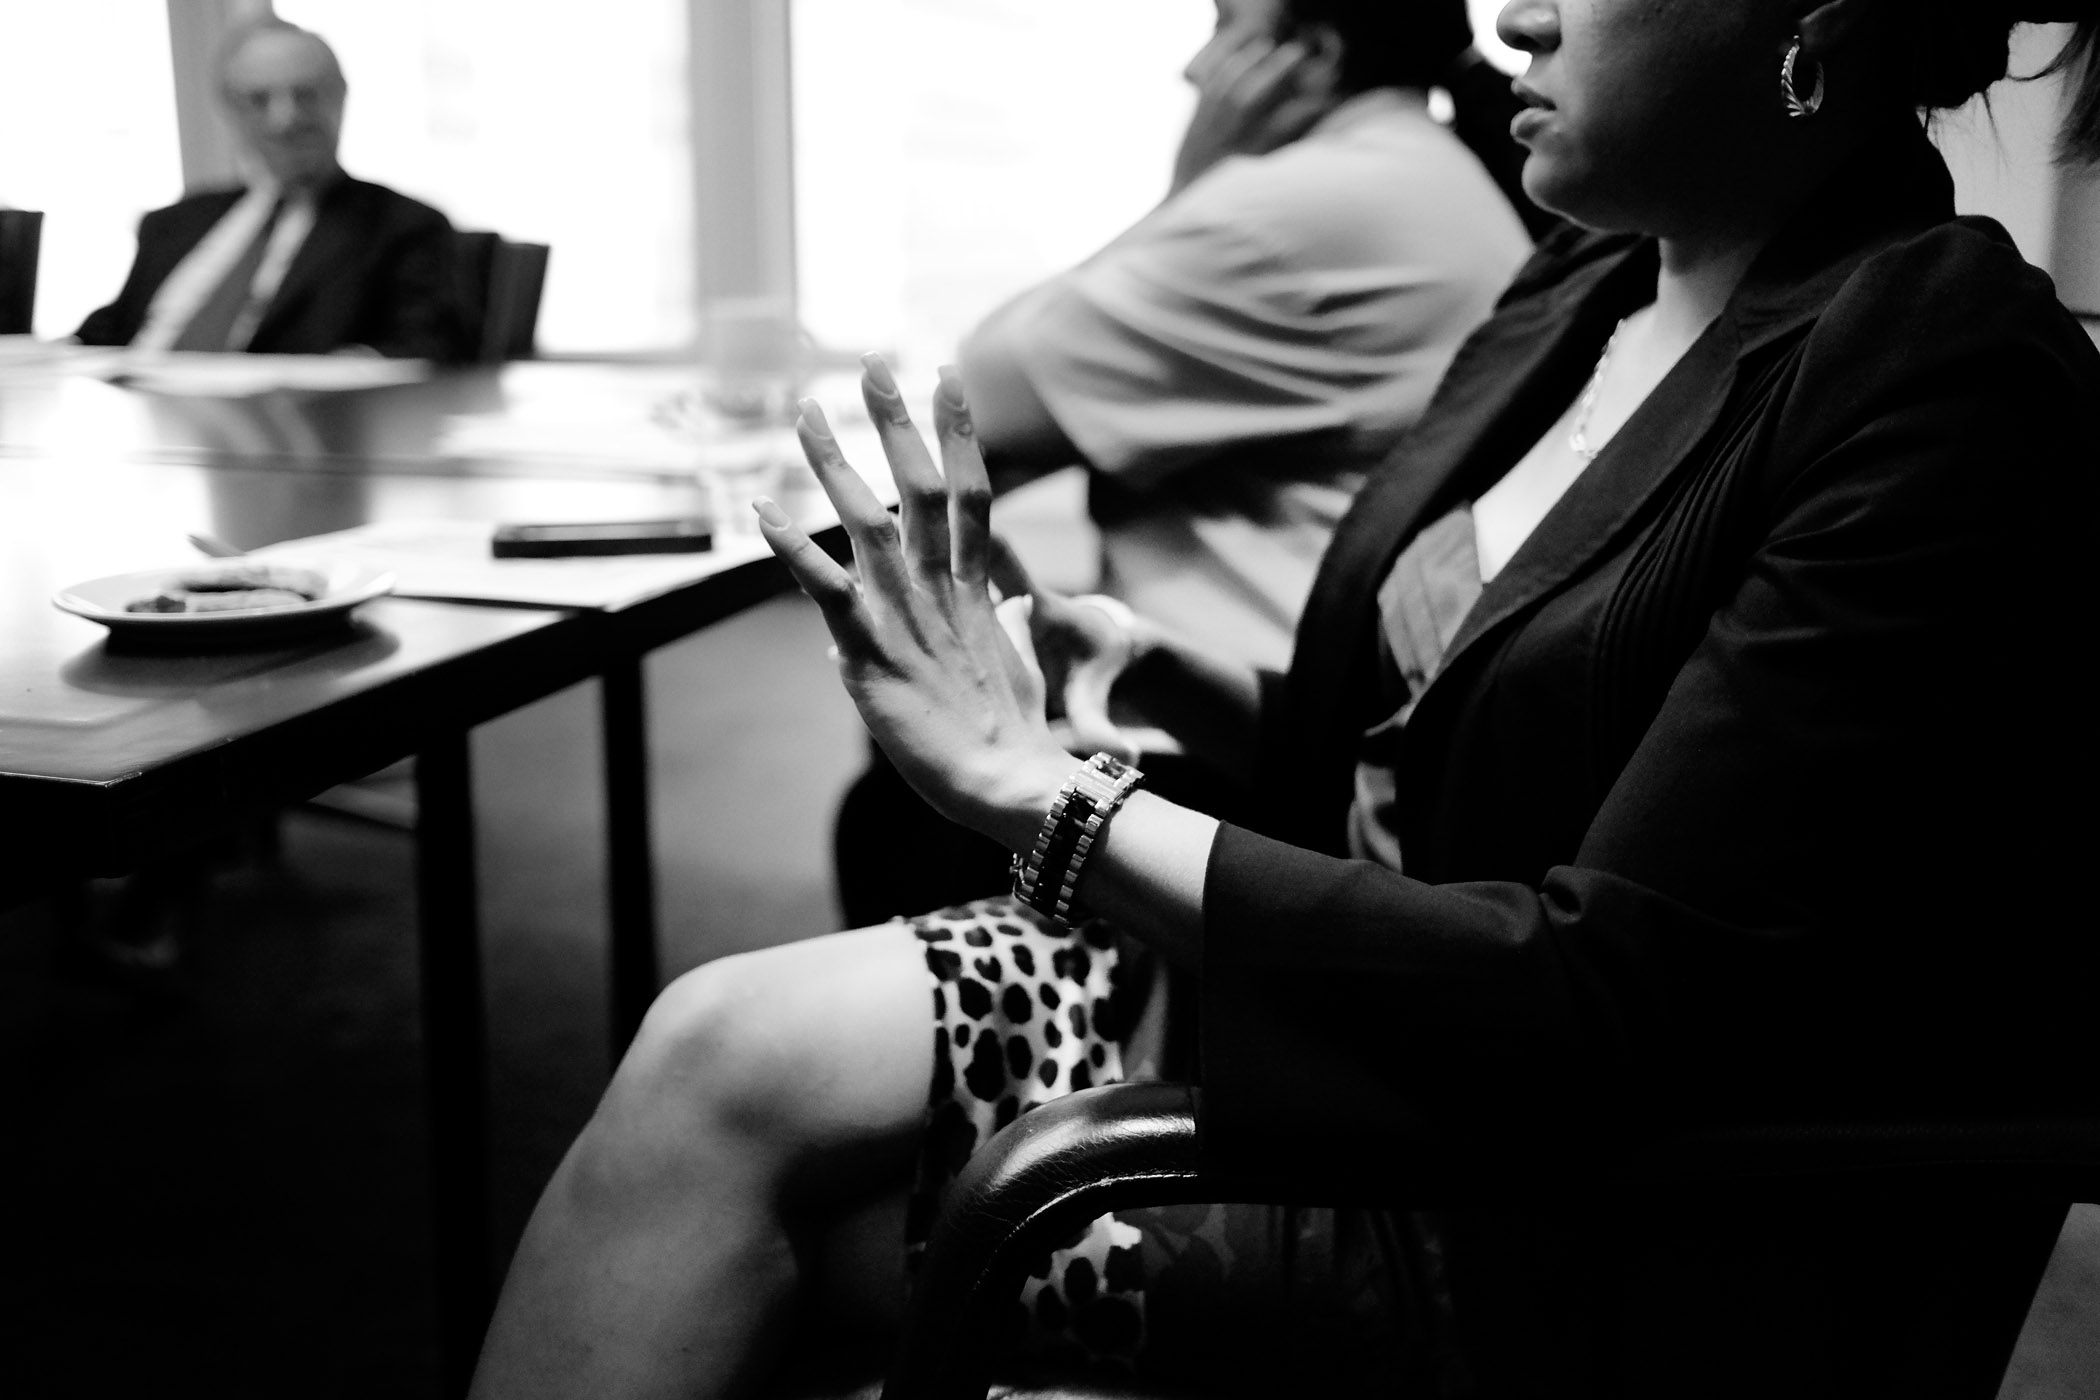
[2076, 246]
[743, 151]
[195, 30]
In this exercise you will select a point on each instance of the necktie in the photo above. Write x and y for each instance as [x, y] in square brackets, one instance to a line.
[210, 328]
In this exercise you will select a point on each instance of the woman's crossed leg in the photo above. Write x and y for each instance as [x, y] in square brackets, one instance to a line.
[754, 1148]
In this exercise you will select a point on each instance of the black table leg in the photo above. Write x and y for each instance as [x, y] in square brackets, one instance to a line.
[630, 862]
[454, 1050]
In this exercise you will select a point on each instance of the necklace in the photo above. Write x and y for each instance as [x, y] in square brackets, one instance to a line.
[1578, 431]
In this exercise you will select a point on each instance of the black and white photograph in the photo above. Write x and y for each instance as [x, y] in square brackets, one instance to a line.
[1049, 699]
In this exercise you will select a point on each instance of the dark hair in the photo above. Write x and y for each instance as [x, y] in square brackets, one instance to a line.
[2080, 59]
[1426, 44]
[1391, 43]
[1954, 49]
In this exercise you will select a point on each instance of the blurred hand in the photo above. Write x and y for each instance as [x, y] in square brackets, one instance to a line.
[1251, 99]
[1081, 647]
[956, 706]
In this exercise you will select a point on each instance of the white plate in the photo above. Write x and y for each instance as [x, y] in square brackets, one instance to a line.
[102, 600]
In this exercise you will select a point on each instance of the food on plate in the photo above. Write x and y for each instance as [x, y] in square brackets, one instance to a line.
[247, 585]
[178, 600]
[238, 574]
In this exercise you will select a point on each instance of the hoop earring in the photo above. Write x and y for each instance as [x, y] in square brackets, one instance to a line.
[1796, 105]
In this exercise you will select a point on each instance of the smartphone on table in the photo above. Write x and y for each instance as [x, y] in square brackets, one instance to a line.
[688, 535]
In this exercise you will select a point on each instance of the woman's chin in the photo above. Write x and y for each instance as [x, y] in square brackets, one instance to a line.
[1552, 187]
[1542, 183]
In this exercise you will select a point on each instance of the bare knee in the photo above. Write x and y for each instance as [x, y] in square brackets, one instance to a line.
[759, 1062]
[707, 1066]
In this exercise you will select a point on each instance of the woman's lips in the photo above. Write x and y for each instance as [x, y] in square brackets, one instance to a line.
[1534, 118]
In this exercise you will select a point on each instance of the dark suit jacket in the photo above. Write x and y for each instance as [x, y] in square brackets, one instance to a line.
[1741, 793]
[378, 269]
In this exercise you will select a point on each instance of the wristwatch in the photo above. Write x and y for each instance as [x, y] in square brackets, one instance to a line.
[1045, 878]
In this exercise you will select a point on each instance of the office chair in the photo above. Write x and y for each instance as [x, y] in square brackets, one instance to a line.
[1042, 1178]
[503, 281]
[21, 235]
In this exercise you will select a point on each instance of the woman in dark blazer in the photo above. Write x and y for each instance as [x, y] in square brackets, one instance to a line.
[1681, 728]
[1738, 796]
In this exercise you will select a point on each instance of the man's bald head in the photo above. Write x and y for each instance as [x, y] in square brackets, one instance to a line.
[284, 91]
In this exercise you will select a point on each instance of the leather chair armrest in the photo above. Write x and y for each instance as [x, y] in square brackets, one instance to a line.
[1132, 1145]
[1041, 1178]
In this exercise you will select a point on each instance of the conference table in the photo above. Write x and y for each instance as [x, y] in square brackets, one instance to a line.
[113, 760]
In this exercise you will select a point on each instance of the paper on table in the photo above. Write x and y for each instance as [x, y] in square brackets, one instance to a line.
[27, 357]
[450, 560]
[29, 347]
[242, 376]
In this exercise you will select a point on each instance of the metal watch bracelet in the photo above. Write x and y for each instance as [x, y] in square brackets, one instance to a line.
[1045, 879]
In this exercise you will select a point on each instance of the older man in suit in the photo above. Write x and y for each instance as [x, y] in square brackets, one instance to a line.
[304, 259]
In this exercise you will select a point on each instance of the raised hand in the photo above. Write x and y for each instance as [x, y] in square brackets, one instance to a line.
[936, 677]
[1251, 99]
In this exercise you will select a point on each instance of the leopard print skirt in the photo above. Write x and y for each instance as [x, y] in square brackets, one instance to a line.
[1223, 1296]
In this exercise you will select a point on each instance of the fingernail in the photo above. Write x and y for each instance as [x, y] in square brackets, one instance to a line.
[881, 388]
[879, 372]
[773, 515]
[813, 414]
[952, 409]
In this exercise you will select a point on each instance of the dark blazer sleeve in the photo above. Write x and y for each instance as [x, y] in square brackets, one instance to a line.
[413, 302]
[165, 238]
[118, 322]
[1830, 873]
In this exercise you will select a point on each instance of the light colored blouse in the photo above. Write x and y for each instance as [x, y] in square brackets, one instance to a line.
[1234, 357]
[1433, 585]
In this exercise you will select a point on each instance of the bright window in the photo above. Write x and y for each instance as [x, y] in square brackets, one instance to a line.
[948, 155]
[548, 122]
[87, 134]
